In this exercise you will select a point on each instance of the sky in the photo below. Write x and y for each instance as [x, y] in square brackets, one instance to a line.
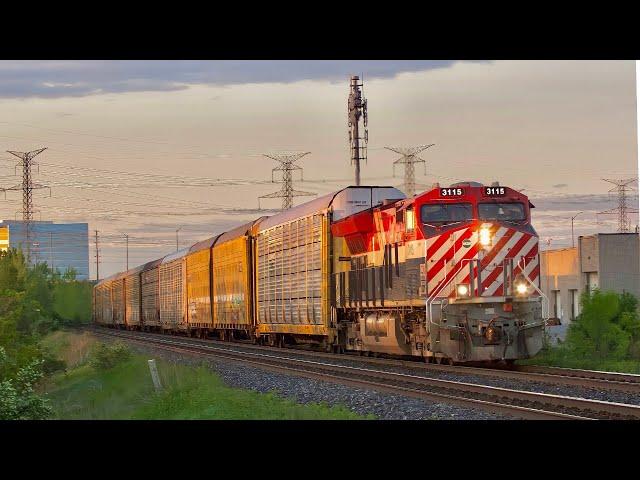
[143, 148]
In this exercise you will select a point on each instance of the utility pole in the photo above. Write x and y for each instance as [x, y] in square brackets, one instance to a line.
[287, 166]
[97, 258]
[126, 237]
[573, 243]
[409, 159]
[622, 210]
[27, 186]
[356, 111]
[177, 230]
[51, 251]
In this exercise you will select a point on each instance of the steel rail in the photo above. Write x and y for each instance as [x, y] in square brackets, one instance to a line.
[610, 381]
[535, 405]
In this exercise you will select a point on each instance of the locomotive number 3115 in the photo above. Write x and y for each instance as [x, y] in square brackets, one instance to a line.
[494, 191]
[451, 192]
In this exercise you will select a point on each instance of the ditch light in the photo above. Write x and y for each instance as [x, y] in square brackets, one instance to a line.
[463, 290]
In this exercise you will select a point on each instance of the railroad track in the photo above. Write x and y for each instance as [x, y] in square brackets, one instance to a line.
[515, 403]
[602, 381]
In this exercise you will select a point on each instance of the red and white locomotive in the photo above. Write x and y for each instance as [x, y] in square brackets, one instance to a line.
[451, 275]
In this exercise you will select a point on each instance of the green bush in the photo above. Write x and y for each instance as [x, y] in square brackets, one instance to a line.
[606, 335]
[105, 357]
[18, 401]
[607, 328]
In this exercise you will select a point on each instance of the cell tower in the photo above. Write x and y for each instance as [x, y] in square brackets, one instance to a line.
[357, 111]
[27, 186]
[622, 210]
[409, 159]
[287, 166]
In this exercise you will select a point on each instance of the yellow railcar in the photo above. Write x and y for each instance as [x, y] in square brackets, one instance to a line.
[117, 300]
[132, 297]
[232, 281]
[149, 290]
[172, 291]
[102, 303]
[199, 284]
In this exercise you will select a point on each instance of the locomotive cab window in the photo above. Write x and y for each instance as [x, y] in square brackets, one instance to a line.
[445, 213]
[501, 211]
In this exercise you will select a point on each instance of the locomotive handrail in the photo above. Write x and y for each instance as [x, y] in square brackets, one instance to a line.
[540, 292]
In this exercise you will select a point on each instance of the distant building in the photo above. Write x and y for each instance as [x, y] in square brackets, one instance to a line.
[4, 238]
[606, 261]
[60, 245]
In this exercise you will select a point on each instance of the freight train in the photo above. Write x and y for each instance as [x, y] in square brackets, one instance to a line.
[451, 275]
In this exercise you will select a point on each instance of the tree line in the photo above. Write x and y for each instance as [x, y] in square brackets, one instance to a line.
[34, 300]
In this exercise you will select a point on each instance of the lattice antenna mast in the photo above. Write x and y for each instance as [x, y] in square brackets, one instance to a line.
[287, 166]
[622, 210]
[27, 186]
[357, 114]
[409, 159]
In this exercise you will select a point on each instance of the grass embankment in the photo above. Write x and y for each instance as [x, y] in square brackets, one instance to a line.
[126, 391]
[562, 357]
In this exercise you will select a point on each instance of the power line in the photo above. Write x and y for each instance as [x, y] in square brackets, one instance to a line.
[409, 159]
[622, 210]
[287, 166]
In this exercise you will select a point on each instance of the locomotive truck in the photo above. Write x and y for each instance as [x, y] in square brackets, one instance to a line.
[450, 275]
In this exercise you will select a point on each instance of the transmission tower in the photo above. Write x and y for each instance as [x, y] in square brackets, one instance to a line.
[287, 166]
[622, 210]
[409, 159]
[356, 111]
[27, 186]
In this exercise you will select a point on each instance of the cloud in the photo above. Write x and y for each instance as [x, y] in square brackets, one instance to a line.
[560, 185]
[54, 79]
[568, 203]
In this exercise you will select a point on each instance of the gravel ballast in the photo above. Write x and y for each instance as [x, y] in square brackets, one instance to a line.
[306, 390]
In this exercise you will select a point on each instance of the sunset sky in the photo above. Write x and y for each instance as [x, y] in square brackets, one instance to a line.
[142, 148]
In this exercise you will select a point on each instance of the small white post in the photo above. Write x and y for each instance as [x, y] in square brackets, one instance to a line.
[154, 375]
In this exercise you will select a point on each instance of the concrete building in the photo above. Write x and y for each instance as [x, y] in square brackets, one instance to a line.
[606, 261]
[60, 245]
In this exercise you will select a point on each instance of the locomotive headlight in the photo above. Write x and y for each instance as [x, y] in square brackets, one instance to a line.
[485, 237]
[462, 290]
[521, 288]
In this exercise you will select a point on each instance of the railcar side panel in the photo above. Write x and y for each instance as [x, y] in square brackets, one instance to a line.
[292, 276]
[117, 300]
[172, 292]
[132, 298]
[102, 305]
[150, 297]
[232, 284]
[198, 266]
